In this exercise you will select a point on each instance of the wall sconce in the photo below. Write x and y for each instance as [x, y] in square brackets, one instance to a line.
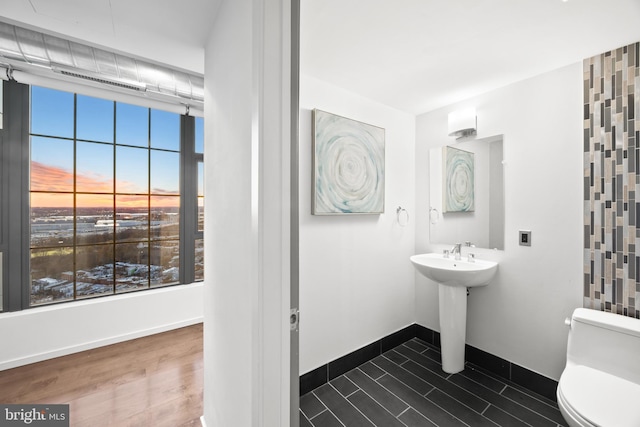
[462, 123]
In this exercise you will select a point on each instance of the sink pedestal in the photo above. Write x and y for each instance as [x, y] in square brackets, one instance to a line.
[453, 326]
[453, 277]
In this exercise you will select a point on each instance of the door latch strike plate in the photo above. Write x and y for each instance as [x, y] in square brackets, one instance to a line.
[294, 319]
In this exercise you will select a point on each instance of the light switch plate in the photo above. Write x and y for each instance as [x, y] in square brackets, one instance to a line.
[524, 238]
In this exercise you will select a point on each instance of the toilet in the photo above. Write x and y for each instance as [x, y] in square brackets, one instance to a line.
[600, 384]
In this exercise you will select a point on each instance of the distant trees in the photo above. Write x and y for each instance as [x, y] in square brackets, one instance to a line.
[51, 262]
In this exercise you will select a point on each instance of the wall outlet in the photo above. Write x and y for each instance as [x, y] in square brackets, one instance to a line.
[524, 238]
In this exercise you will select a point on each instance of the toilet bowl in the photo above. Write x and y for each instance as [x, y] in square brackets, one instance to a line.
[600, 385]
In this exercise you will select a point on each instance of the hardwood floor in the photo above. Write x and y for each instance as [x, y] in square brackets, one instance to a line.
[150, 381]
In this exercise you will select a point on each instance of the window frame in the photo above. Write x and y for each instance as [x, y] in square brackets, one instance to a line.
[15, 234]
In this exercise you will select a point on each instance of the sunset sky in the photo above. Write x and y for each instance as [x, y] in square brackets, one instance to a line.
[52, 156]
[54, 180]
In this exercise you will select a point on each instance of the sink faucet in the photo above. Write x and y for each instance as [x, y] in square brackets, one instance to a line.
[456, 250]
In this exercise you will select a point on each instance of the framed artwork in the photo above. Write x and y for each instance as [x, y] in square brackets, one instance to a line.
[348, 166]
[459, 174]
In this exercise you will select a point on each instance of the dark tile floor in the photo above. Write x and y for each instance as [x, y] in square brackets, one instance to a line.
[406, 387]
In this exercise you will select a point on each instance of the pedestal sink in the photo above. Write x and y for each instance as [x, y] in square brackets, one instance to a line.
[453, 278]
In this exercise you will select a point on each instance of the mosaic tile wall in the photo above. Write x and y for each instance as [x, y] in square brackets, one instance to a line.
[611, 181]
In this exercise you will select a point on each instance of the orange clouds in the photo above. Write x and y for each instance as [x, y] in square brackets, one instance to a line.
[51, 200]
[50, 183]
[49, 178]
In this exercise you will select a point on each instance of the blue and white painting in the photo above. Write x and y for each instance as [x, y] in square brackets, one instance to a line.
[459, 170]
[348, 159]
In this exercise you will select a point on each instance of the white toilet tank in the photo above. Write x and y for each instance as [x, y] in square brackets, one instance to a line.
[605, 341]
[600, 384]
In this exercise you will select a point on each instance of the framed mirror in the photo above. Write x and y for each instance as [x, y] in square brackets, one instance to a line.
[466, 187]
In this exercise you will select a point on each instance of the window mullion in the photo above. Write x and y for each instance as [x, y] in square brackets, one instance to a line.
[75, 198]
[188, 199]
[15, 216]
[149, 210]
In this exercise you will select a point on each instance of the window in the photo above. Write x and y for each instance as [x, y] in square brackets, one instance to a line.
[199, 241]
[107, 193]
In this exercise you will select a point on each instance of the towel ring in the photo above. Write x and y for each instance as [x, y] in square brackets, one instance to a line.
[402, 216]
[434, 215]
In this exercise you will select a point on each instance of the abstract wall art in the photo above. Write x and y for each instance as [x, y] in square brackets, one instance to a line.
[459, 170]
[348, 166]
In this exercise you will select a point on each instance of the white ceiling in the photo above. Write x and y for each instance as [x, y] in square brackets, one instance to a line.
[414, 55]
[418, 55]
[168, 31]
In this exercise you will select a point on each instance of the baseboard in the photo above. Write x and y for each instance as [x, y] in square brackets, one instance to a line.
[512, 372]
[325, 373]
[509, 371]
[9, 364]
[203, 423]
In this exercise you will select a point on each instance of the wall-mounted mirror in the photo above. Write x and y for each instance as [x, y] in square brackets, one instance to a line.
[466, 187]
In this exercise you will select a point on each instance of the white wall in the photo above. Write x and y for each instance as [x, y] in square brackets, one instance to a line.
[247, 113]
[228, 301]
[356, 281]
[519, 316]
[42, 333]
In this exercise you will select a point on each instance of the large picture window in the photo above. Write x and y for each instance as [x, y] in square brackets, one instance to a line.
[106, 194]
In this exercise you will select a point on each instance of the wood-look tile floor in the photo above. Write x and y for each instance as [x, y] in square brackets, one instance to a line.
[154, 381]
[406, 387]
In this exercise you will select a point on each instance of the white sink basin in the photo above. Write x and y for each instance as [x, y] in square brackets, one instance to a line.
[453, 278]
[451, 272]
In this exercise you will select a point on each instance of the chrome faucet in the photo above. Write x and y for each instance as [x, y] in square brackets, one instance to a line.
[456, 250]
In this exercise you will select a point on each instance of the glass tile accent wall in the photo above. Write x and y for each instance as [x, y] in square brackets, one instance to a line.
[611, 181]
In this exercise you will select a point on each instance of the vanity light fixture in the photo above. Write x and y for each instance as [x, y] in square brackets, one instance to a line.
[462, 123]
